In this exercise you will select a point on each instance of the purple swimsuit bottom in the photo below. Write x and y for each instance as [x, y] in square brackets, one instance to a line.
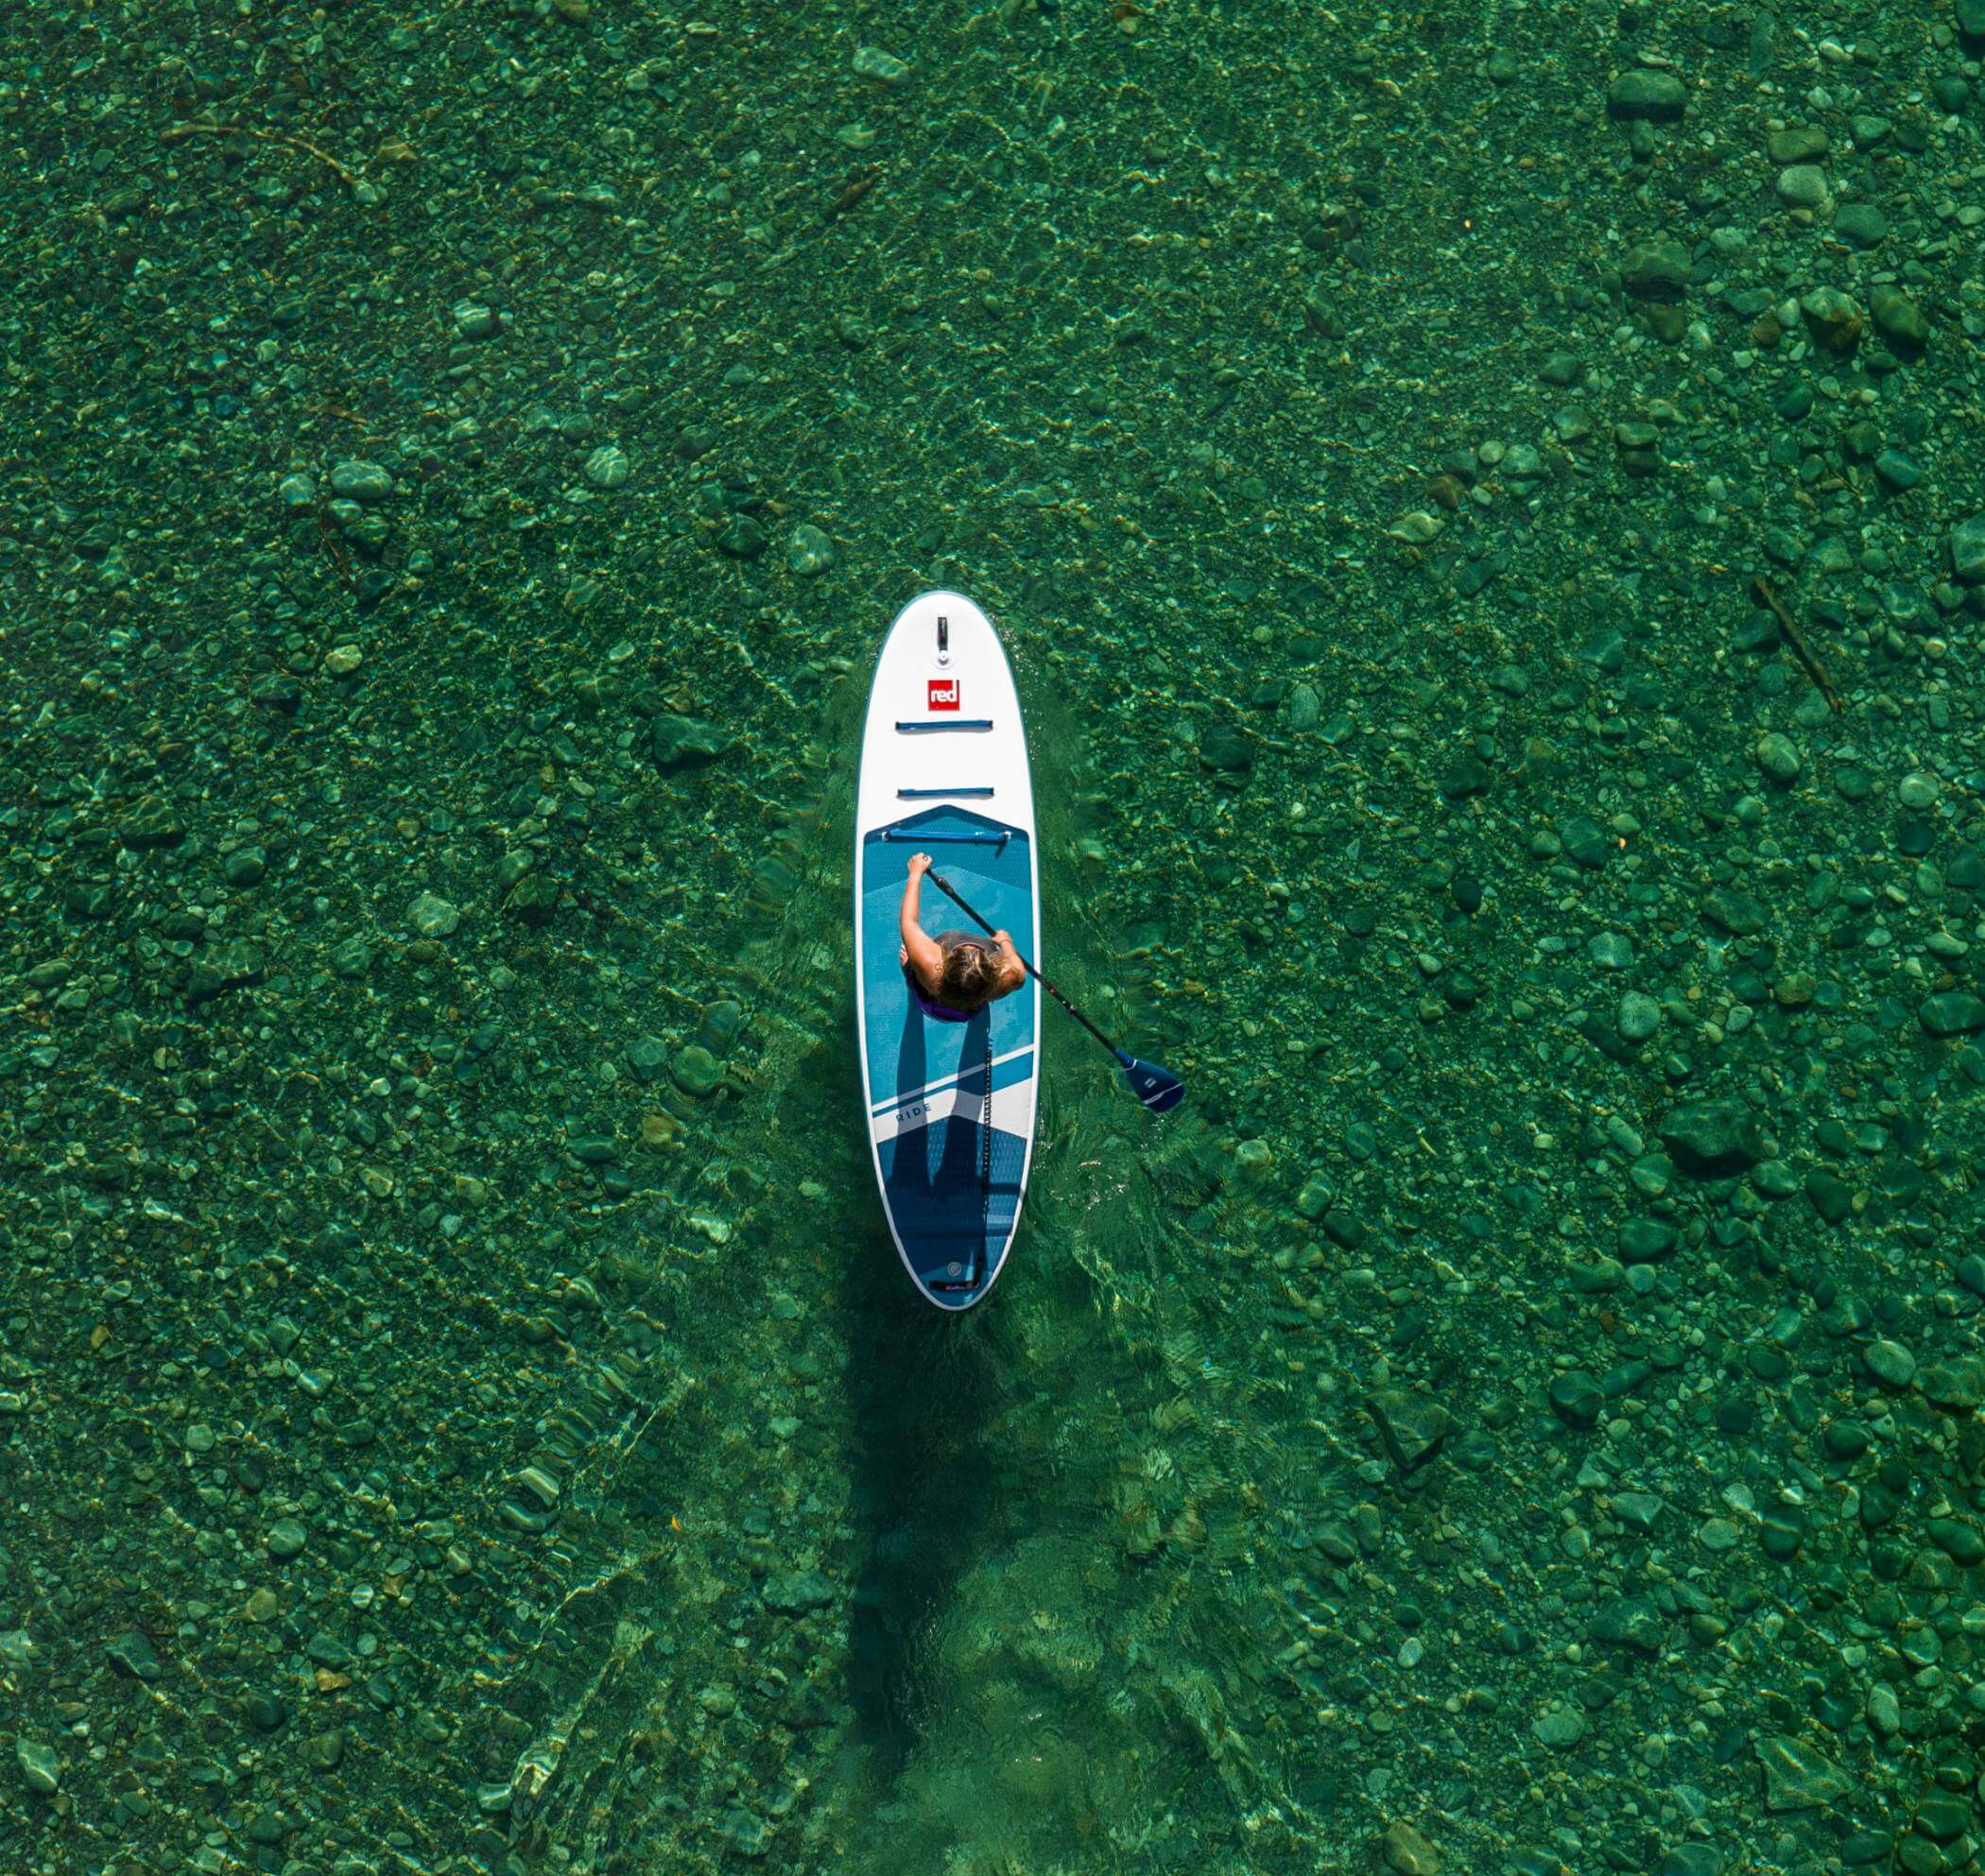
[938, 1012]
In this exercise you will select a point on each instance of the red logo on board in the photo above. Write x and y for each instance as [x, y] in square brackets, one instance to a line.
[943, 694]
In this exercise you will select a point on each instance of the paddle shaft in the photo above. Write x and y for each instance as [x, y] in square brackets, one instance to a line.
[945, 886]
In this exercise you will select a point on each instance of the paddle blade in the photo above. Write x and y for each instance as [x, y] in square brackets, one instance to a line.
[1159, 1091]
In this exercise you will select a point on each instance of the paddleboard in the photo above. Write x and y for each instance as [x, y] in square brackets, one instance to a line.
[944, 772]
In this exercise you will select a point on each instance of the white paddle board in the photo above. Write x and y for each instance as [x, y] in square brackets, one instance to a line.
[944, 771]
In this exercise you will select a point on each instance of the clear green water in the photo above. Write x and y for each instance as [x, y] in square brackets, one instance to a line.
[459, 1409]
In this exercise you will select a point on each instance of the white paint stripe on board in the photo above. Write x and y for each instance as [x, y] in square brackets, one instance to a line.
[1013, 1109]
[978, 1070]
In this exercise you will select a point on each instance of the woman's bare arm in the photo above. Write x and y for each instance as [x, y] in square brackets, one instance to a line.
[925, 957]
[1012, 971]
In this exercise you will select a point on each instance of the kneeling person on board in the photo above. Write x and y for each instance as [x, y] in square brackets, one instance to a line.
[955, 974]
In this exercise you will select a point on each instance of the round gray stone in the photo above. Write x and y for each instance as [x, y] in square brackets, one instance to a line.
[361, 481]
[432, 916]
[696, 1072]
[808, 551]
[1802, 185]
[1889, 1362]
[39, 1766]
[1638, 1017]
[1776, 756]
[1611, 950]
[607, 467]
[1559, 1729]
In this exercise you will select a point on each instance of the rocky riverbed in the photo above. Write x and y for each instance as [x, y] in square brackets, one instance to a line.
[1489, 512]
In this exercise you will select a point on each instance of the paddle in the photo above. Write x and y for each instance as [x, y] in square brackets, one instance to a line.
[1158, 1090]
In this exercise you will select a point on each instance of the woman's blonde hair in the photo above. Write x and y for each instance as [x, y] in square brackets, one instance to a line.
[968, 976]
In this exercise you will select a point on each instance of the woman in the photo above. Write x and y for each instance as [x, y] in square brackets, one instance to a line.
[955, 974]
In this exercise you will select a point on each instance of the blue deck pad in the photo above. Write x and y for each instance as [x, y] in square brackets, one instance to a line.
[925, 1077]
[931, 1181]
[905, 1056]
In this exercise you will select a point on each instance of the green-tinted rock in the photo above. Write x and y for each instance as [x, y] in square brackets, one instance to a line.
[1646, 1240]
[1916, 1855]
[1225, 747]
[1942, 1816]
[432, 916]
[1958, 1385]
[245, 866]
[743, 538]
[1833, 1198]
[1575, 1399]
[350, 957]
[682, 742]
[233, 964]
[808, 551]
[1967, 545]
[1346, 1228]
[361, 481]
[153, 821]
[1731, 909]
[1889, 1362]
[1797, 1777]
[1467, 775]
[1411, 1852]
[1712, 1138]
[1846, 1438]
[1952, 1013]
[1861, 224]
[1410, 1425]
[1800, 143]
[533, 900]
[1586, 842]
[1637, 1016]
[720, 1025]
[1633, 1621]
[1779, 759]
[1642, 96]
[1637, 1510]
[793, 1593]
[40, 1768]
[1899, 320]
[1691, 1859]
[1781, 1531]
[1775, 1180]
[1898, 470]
[1656, 270]
[607, 467]
[1834, 319]
[1956, 1539]
[1561, 1728]
[132, 1653]
[696, 1072]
